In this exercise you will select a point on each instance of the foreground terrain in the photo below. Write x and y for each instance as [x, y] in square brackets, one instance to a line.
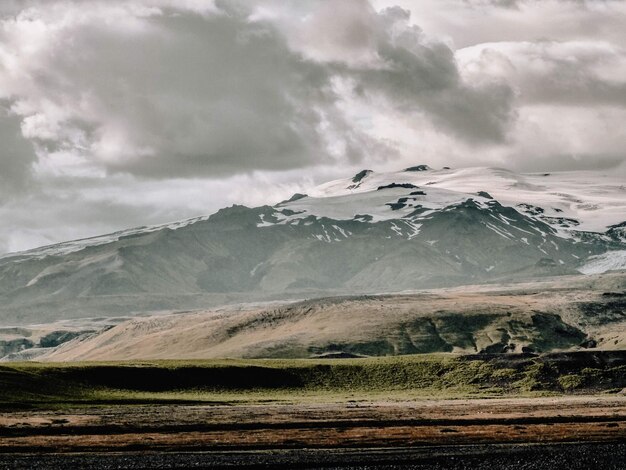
[564, 456]
[421, 411]
[520, 433]
[353, 424]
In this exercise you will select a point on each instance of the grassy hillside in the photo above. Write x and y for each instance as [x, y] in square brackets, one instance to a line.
[443, 375]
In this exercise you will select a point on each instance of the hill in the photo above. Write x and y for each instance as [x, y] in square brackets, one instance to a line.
[564, 314]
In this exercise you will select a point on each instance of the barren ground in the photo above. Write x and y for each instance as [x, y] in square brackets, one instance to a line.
[333, 425]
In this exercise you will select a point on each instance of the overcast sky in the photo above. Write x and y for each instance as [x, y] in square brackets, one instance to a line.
[122, 113]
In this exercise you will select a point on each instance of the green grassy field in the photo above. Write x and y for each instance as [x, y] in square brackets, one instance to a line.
[231, 381]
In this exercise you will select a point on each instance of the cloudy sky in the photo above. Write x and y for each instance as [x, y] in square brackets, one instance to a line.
[122, 113]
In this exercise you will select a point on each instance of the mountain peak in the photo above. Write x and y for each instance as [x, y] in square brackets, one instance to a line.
[418, 168]
[360, 175]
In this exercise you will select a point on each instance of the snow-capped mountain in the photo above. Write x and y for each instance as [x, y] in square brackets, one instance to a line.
[373, 232]
[567, 201]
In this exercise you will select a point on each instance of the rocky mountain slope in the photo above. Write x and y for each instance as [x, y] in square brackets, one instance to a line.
[375, 232]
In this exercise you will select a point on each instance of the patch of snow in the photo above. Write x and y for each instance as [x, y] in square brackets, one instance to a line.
[264, 223]
[344, 233]
[609, 261]
[499, 231]
[415, 229]
[253, 271]
[396, 229]
[506, 220]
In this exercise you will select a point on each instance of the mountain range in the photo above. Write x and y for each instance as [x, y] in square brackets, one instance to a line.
[414, 229]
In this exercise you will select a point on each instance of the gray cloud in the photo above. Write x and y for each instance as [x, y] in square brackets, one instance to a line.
[16, 157]
[122, 113]
[172, 92]
[550, 72]
[423, 76]
[568, 97]
[183, 95]
[384, 54]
